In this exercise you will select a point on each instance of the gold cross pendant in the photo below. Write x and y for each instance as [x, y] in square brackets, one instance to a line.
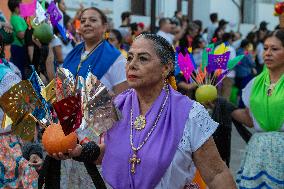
[134, 160]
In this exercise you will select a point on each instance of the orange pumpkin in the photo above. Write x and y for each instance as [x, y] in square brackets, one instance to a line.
[55, 141]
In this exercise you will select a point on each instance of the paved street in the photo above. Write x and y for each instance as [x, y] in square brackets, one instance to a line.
[237, 151]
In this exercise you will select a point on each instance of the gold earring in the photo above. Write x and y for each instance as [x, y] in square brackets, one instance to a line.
[106, 35]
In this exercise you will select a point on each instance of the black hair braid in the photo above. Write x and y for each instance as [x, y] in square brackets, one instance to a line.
[162, 47]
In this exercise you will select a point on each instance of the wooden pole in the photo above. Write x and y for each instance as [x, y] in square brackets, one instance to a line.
[153, 16]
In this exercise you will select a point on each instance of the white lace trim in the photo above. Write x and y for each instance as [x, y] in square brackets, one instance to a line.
[199, 122]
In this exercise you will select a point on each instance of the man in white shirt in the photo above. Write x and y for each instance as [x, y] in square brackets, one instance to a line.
[169, 30]
[165, 30]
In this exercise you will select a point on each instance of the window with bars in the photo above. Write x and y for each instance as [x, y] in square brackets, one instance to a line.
[138, 7]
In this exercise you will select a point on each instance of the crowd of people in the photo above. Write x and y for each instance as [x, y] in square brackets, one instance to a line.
[164, 136]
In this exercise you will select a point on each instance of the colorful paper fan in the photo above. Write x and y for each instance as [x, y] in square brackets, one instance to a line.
[101, 111]
[69, 113]
[18, 102]
[25, 128]
[44, 111]
[49, 92]
[65, 84]
[186, 65]
[215, 65]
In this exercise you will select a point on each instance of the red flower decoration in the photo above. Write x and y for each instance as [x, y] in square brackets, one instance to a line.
[214, 40]
[69, 113]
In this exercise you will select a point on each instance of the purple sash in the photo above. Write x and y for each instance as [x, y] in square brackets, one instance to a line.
[157, 153]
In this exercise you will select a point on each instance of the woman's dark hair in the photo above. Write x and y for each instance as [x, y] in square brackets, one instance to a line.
[103, 16]
[117, 34]
[162, 47]
[197, 41]
[279, 34]
[216, 35]
[244, 43]
[13, 4]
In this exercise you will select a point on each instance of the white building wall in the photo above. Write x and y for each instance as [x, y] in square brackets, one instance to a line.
[226, 9]
[265, 11]
[119, 6]
[201, 11]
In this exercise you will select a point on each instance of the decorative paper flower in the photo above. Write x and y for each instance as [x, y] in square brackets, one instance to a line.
[278, 8]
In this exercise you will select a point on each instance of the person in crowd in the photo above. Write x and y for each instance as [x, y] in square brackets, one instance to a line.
[261, 35]
[223, 24]
[263, 163]
[237, 39]
[61, 46]
[18, 52]
[228, 81]
[214, 25]
[125, 29]
[252, 38]
[165, 31]
[38, 55]
[125, 22]
[184, 21]
[245, 71]
[177, 18]
[191, 32]
[115, 38]
[185, 42]
[108, 65]
[225, 113]
[198, 44]
[62, 7]
[140, 28]
[16, 171]
[217, 36]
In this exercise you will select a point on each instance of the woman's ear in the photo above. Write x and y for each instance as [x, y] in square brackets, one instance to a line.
[167, 69]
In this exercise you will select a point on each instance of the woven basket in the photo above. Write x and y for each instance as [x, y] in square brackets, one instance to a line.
[281, 21]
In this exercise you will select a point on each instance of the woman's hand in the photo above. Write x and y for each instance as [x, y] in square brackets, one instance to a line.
[35, 161]
[36, 42]
[243, 116]
[71, 153]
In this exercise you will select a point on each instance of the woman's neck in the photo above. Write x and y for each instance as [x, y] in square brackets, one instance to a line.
[89, 45]
[146, 97]
[276, 74]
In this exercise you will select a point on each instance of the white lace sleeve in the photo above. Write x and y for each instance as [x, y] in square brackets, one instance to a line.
[8, 81]
[15, 69]
[199, 127]
[246, 93]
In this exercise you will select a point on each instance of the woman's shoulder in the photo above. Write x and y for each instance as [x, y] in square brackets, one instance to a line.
[246, 92]
[121, 98]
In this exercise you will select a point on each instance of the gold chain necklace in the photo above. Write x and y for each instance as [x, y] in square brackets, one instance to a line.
[134, 160]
